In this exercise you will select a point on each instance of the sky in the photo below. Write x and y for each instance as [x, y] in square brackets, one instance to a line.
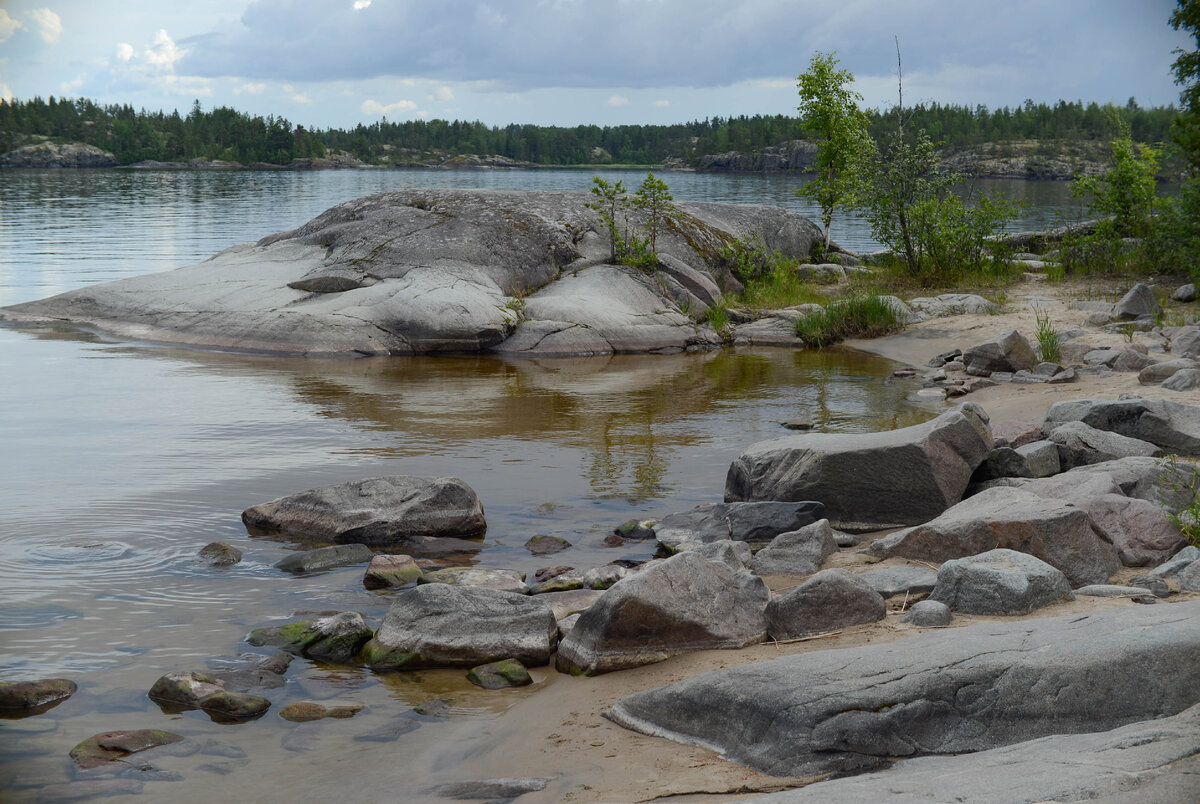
[336, 63]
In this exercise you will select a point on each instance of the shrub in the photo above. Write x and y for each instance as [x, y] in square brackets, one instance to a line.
[1047, 338]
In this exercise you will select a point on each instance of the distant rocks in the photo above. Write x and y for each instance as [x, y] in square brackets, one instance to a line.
[48, 154]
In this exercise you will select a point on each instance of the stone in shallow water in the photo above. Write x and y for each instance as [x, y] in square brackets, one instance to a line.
[494, 789]
[34, 697]
[336, 638]
[391, 571]
[111, 746]
[499, 675]
[303, 711]
[323, 558]
[220, 554]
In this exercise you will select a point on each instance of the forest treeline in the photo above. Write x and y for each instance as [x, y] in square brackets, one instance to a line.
[225, 133]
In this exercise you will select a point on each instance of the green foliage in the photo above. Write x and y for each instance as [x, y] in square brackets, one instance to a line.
[654, 198]
[1047, 338]
[746, 259]
[778, 285]
[718, 316]
[1185, 129]
[829, 113]
[859, 316]
[1127, 193]
[1184, 481]
[902, 177]
[953, 238]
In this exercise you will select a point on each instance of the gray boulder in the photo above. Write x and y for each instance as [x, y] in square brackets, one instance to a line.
[335, 638]
[324, 558]
[220, 554]
[869, 481]
[735, 555]
[440, 625]
[438, 270]
[1166, 483]
[506, 580]
[1158, 372]
[754, 522]
[1132, 360]
[1037, 459]
[829, 600]
[928, 614]
[1137, 302]
[682, 604]
[1177, 563]
[1054, 531]
[1173, 426]
[1015, 433]
[799, 552]
[35, 696]
[1185, 342]
[1009, 352]
[1111, 590]
[1147, 761]
[1185, 293]
[999, 582]
[892, 581]
[1189, 577]
[1185, 380]
[401, 510]
[1140, 530]
[1079, 445]
[939, 692]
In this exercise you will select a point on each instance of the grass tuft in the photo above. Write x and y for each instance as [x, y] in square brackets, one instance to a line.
[859, 316]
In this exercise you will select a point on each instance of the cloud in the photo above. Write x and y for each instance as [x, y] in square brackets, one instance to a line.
[250, 89]
[8, 26]
[124, 51]
[164, 52]
[359, 5]
[442, 93]
[617, 100]
[69, 87]
[375, 108]
[48, 23]
[6, 93]
[662, 104]
[299, 97]
[155, 68]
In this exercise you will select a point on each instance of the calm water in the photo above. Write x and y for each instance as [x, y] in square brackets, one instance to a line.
[120, 461]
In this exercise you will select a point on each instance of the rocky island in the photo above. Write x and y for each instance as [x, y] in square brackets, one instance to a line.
[428, 271]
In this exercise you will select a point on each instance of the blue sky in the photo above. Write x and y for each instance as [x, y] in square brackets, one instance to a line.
[564, 62]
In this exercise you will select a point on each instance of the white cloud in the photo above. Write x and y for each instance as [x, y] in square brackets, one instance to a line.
[299, 97]
[5, 92]
[662, 104]
[154, 67]
[164, 52]
[48, 23]
[125, 51]
[375, 108]
[359, 5]
[250, 89]
[8, 26]
[617, 100]
[442, 93]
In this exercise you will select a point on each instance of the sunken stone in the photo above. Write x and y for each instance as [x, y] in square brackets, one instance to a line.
[999, 582]
[380, 511]
[506, 580]
[391, 571]
[220, 554]
[324, 558]
[499, 675]
[829, 600]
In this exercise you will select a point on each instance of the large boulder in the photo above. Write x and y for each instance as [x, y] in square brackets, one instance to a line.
[1057, 532]
[869, 481]
[1137, 302]
[1146, 761]
[1009, 352]
[444, 625]
[999, 582]
[830, 599]
[400, 510]
[682, 604]
[939, 692]
[439, 270]
[797, 552]
[1173, 426]
[1080, 445]
[753, 522]
[1140, 530]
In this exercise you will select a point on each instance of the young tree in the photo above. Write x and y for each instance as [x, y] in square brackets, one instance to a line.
[654, 198]
[609, 198]
[1186, 127]
[1127, 192]
[829, 111]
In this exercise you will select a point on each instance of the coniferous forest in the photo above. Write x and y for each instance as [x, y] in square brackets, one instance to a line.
[227, 134]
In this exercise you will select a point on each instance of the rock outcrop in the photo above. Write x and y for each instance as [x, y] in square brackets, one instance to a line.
[48, 154]
[869, 481]
[424, 271]
[940, 692]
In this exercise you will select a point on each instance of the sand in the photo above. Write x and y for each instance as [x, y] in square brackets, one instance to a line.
[560, 732]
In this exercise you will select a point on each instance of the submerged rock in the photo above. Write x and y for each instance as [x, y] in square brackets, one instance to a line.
[336, 639]
[325, 558]
[378, 512]
[220, 554]
[304, 711]
[110, 747]
[498, 675]
[36, 696]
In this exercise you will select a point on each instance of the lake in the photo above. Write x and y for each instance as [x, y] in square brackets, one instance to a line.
[121, 460]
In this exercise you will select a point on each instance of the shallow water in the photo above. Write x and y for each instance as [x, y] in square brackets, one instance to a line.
[121, 460]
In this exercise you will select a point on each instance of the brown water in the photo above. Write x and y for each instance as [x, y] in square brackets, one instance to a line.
[121, 461]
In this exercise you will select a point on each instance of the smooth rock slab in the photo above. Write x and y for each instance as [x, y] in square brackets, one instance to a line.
[505, 580]
[1148, 762]
[439, 625]
[892, 581]
[939, 692]
[999, 582]
[324, 558]
[869, 481]
[684, 603]
[378, 512]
